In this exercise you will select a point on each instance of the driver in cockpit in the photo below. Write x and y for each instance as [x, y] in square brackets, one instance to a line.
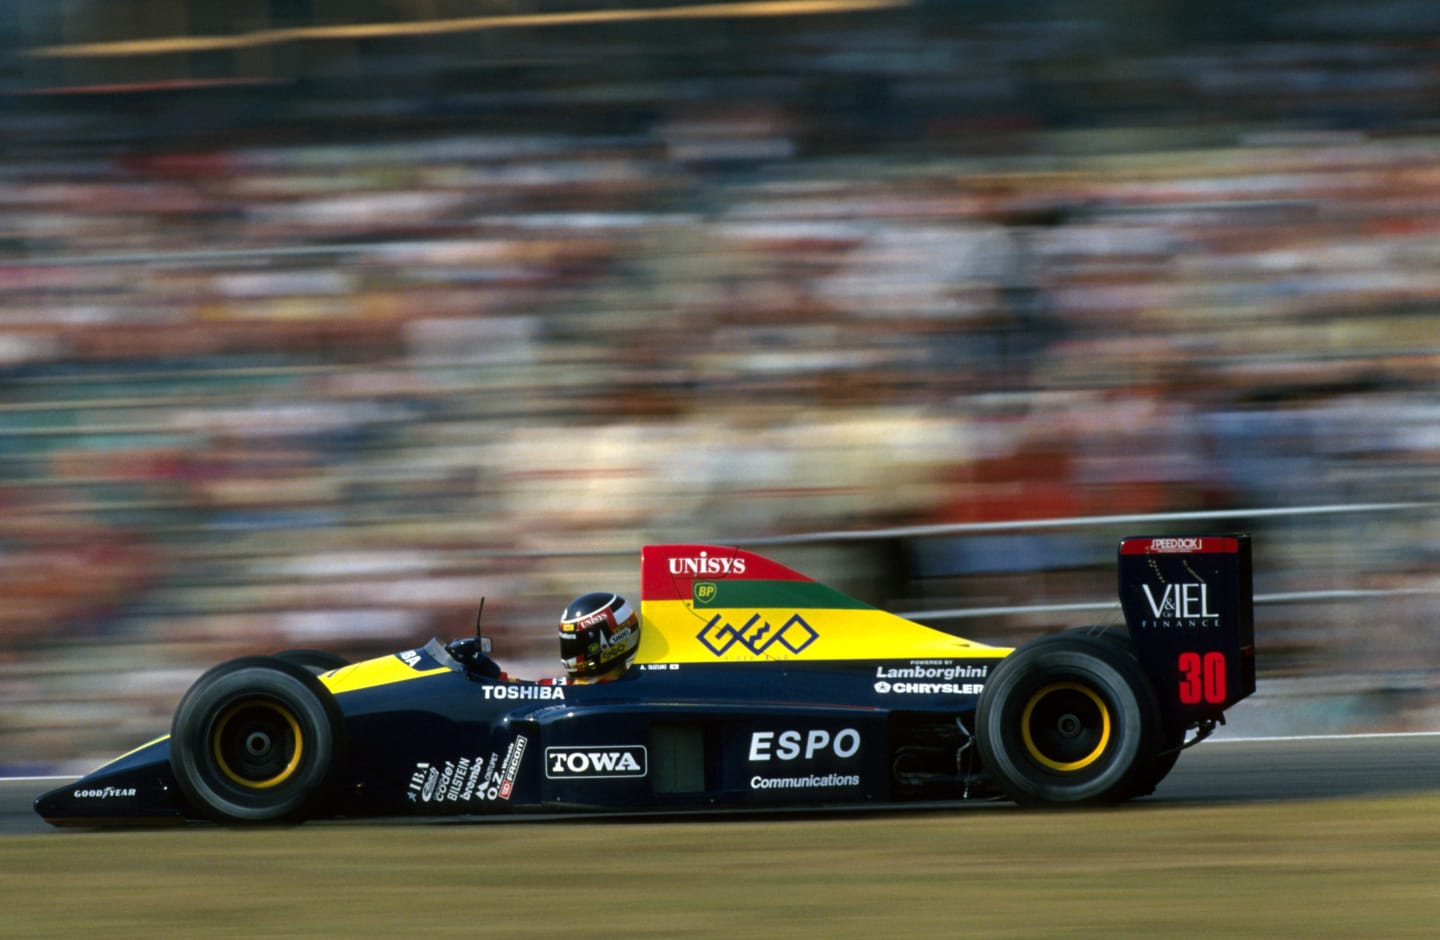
[599, 634]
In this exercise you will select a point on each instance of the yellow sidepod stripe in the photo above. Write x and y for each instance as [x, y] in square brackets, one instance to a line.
[681, 632]
[384, 670]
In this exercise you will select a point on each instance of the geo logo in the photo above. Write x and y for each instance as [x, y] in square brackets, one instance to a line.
[757, 635]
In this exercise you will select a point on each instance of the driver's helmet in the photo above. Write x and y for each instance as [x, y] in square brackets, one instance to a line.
[598, 632]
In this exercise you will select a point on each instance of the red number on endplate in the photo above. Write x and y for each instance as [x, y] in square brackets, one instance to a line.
[1202, 678]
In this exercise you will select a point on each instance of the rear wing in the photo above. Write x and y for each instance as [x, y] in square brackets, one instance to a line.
[1189, 606]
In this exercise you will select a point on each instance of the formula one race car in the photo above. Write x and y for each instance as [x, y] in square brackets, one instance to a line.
[753, 686]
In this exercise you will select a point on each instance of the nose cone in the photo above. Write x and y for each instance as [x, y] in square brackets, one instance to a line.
[137, 788]
[89, 801]
[52, 806]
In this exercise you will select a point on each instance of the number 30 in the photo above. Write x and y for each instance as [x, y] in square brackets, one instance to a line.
[1202, 678]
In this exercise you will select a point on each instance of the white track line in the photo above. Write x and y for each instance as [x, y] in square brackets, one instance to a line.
[1367, 735]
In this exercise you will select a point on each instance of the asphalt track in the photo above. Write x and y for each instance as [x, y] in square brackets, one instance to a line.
[1217, 771]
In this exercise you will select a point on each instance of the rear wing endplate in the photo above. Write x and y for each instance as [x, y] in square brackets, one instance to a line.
[1189, 606]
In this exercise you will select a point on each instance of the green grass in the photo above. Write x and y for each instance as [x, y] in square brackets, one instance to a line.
[1329, 869]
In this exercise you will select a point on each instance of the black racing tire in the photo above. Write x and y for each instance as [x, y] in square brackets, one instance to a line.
[256, 740]
[1069, 719]
[314, 661]
[1172, 739]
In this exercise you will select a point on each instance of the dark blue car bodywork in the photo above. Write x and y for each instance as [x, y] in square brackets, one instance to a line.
[1092, 715]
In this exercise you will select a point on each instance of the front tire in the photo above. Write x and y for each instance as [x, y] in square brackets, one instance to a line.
[1069, 719]
[255, 740]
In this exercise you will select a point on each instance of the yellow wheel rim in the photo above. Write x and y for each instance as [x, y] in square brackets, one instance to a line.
[1065, 726]
[261, 738]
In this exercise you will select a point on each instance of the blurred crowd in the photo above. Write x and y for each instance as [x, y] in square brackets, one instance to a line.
[321, 366]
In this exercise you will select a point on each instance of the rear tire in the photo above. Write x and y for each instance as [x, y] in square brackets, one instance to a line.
[1172, 739]
[1069, 719]
[255, 740]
